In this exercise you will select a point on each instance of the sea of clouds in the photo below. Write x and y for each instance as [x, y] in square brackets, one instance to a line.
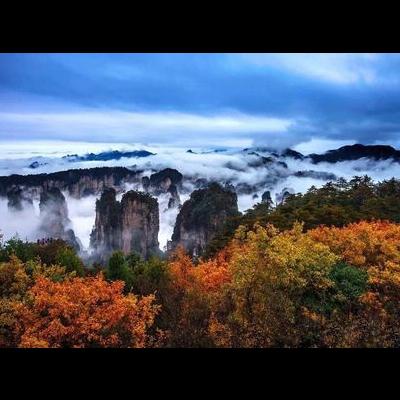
[230, 165]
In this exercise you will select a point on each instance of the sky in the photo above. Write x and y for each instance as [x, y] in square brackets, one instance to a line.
[311, 102]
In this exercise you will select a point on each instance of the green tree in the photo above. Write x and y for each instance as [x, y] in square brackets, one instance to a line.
[150, 277]
[118, 269]
[350, 282]
[15, 246]
[68, 258]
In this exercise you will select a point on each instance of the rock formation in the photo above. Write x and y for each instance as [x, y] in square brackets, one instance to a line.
[18, 199]
[326, 176]
[266, 198]
[146, 183]
[292, 154]
[169, 181]
[283, 195]
[161, 181]
[201, 216]
[140, 224]
[106, 235]
[174, 200]
[54, 218]
[108, 155]
[245, 188]
[77, 182]
[357, 151]
[129, 225]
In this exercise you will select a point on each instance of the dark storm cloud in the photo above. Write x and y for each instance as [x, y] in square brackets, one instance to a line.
[337, 97]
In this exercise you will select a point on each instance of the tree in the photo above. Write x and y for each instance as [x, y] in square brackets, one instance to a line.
[188, 297]
[15, 246]
[151, 276]
[48, 250]
[14, 282]
[335, 204]
[277, 277]
[85, 312]
[373, 249]
[118, 269]
[68, 258]
[364, 243]
[350, 284]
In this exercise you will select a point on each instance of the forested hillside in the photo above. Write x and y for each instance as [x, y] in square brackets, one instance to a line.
[336, 203]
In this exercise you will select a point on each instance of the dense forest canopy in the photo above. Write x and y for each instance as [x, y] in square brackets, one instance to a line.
[336, 203]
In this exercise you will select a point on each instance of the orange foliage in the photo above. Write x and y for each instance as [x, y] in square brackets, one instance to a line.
[328, 287]
[196, 289]
[362, 244]
[207, 276]
[211, 275]
[181, 268]
[375, 247]
[85, 312]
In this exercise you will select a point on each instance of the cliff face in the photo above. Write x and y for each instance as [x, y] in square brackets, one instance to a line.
[266, 198]
[77, 182]
[54, 217]
[129, 225]
[106, 234]
[18, 200]
[140, 224]
[201, 216]
[168, 181]
[161, 181]
[174, 200]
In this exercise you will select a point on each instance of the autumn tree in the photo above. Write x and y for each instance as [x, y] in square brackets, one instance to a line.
[189, 298]
[85, 312]
[374, 248]
[363, 244]
[278, 280]
[14, 282]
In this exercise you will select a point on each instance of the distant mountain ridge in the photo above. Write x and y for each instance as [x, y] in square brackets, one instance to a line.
[109, 155]
[357, 151]
[349, 153]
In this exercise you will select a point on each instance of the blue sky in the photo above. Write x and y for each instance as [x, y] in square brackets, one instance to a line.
[276, 100]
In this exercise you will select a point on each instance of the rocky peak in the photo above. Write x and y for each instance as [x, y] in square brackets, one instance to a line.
[292, 154]
[281, 197]
[174, 200]
[140, 223]
[129, 225]
[76, 182]
[357, 151]
[326, 176]
[53, 201]
[108, 155]
[161, 181]
[54, 217]
[169, 181]
[106, 234]
[201, 216]
[18, 199]
[266, 198]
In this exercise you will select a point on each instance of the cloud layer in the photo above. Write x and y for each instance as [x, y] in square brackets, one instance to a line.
[235, 167]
